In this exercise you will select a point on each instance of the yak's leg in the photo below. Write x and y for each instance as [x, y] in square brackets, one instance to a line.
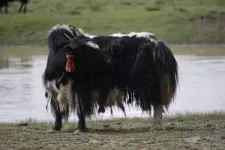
[25, 8]
[102, 100]
[6, 8]
[21, 6]
[81, 127]
[58, 121]
[81, 123]
[157, 117]
[58, 115]
[81, 116]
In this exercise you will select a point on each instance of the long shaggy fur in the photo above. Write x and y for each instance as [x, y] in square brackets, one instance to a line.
[110, 70]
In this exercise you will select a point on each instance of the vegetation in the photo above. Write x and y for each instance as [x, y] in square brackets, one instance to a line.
[204, 131]
[195, 21]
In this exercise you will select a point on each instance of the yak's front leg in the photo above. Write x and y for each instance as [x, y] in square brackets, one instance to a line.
[81, 127]
[157, 118]
[55, 109]
[58, 121]
[58, 115]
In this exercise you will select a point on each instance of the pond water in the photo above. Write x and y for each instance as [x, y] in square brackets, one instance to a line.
[201, 87]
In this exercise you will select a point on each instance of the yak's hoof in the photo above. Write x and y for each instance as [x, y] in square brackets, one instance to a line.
[56, 128]
[101, 109]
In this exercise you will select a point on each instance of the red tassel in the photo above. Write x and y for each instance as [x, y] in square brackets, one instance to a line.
[70, 67]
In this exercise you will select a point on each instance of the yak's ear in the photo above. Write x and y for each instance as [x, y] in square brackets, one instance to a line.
[69, 38]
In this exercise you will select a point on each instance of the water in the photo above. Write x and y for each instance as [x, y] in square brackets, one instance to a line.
[201, 87]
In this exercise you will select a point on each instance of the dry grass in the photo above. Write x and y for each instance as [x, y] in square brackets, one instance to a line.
[202, 131]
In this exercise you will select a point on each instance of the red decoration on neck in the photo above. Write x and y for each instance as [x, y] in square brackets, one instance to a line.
[70, 67]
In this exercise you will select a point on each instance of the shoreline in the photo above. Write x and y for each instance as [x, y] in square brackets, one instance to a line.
[220, 45]
[145, 116]
[204, 131]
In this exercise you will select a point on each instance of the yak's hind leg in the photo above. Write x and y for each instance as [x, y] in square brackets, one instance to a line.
[103, 93]
[157, 118]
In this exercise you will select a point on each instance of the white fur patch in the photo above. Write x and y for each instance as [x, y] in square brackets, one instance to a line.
[92, 45]
[147, 35]
[58, 27]
[86, 34]
[63, 96]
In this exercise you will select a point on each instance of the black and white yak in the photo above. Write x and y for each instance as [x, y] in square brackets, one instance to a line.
[86, 72]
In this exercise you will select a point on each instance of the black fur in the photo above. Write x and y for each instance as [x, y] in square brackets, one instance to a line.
[143, 68]
[5, 3]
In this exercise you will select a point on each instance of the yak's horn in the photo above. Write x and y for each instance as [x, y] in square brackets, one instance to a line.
[68, 37]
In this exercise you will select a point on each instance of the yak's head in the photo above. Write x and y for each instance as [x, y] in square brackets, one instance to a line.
[84, 51]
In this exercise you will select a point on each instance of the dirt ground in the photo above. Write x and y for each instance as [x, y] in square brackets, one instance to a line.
[196, 132]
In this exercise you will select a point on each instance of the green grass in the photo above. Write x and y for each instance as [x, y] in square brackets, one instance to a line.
[191, 131]
[171, 20]
[35, 50]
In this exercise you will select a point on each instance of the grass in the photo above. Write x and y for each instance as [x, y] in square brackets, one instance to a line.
[198, 21]
[35, 50]
[192, 131]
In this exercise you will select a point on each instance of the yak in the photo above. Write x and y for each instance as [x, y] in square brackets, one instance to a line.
[23, 5]
[85, 72]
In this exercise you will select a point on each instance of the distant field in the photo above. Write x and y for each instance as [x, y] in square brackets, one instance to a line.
[192, 132]
[198, 21]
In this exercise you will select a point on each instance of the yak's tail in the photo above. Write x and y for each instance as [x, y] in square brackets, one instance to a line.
[57, 38]
[166, 72]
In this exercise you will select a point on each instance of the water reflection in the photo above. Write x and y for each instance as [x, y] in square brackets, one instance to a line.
[22, 62]
[4, 62]
[201, 87]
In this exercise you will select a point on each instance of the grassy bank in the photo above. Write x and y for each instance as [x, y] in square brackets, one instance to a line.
[199, 21]
[202, 131]
[35, 50]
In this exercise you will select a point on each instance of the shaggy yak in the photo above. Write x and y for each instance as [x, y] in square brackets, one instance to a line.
[85, 73]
